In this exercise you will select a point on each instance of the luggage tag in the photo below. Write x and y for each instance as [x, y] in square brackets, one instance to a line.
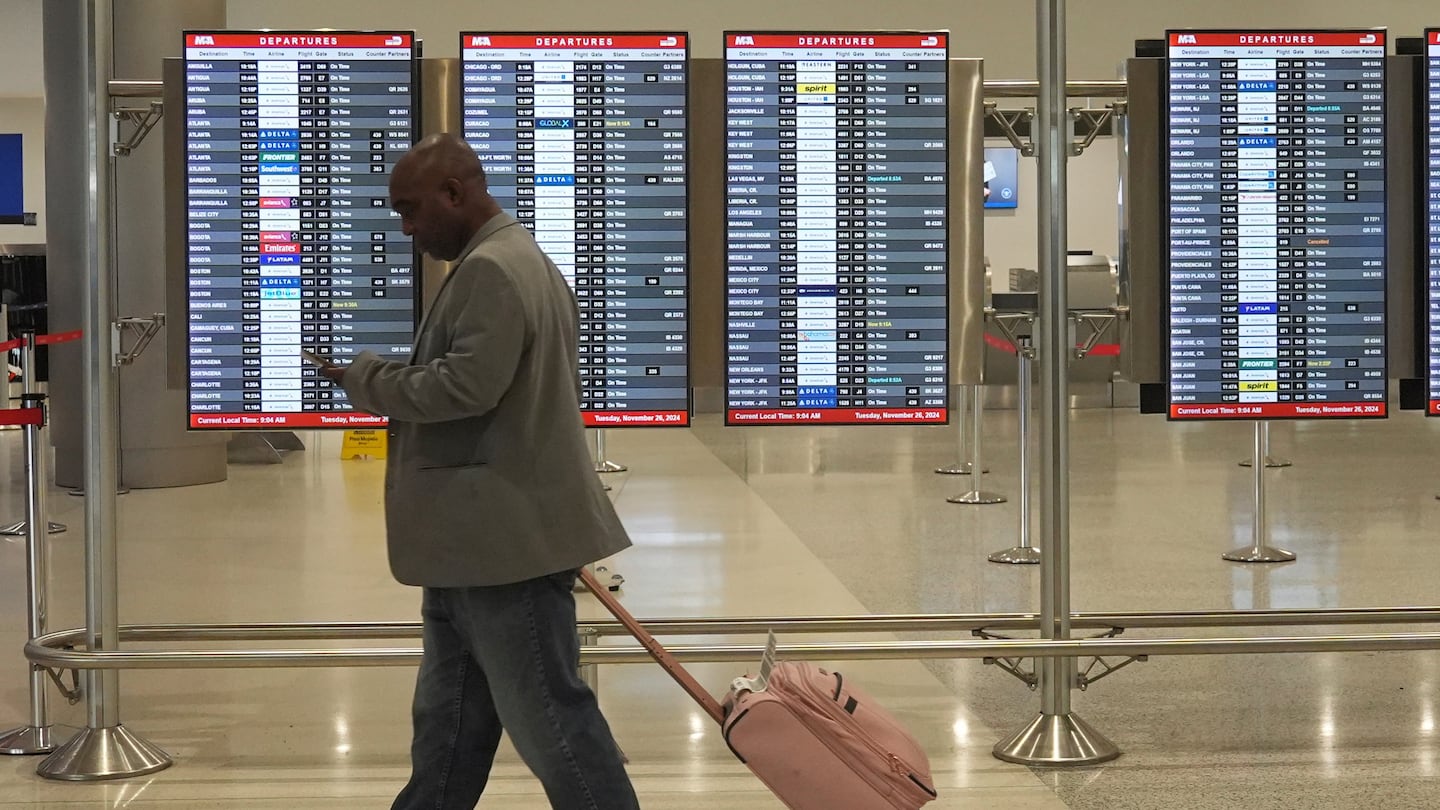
[767, 665]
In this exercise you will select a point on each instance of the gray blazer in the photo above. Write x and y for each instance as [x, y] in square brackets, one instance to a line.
[489, 480]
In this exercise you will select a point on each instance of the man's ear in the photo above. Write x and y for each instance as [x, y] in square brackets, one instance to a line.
[455, 191]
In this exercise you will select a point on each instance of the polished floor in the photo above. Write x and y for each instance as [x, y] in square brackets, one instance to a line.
[801, 521]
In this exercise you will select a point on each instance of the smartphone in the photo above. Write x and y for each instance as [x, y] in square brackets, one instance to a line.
[314, 358]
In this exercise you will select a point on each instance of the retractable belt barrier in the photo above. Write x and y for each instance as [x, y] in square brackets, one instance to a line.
[37, 736]
[1099, 350]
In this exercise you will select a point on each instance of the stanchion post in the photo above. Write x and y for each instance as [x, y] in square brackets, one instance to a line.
[589, 673]
[1057, 736]
[962, 437]
[602, 464]
[30, 385]
[976, 495]
[38, 736]
[1025, 553]
[1259, 550]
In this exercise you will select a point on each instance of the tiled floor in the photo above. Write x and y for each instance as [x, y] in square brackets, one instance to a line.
[733, 522]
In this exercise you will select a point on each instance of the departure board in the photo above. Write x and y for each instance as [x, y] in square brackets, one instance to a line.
[584, 138]
[291, 244]
[1276, 203]
[836, 228]
[1432, 212]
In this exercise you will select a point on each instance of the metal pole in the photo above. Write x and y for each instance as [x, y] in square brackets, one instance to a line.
[1259, 550]
[30, 386]
[37, 737]
[1025, 553]
[104, 749]
[962, 438]
[976, 496]
[602, 464]
[1057, 736]
[590, 672]
[1270, 461]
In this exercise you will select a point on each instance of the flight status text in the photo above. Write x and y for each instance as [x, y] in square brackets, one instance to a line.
[1432, 211]
[289, 140]
[1276, 206]
[584, 138]
[836, 228]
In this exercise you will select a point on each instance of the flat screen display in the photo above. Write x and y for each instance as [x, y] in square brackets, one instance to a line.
[836, 228]
[1275, 197]
[1432, 213]
[1002, 177]
[584, 137]
[291, 244]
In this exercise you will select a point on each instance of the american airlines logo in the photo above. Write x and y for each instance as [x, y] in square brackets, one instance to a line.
[1186, 39]
[744, 40]
[480, 41]
[204, 39]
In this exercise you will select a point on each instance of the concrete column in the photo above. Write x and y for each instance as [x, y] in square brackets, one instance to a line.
[155, 448]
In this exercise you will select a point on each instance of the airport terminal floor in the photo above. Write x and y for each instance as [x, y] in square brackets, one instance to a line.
[757, 521]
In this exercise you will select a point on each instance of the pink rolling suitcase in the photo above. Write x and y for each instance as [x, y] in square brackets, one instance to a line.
[817, 741]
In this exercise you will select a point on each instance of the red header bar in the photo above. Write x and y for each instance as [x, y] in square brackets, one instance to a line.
[1266, 410]
[936, 40]
[1278, 39]
[1435, 404]
[271, 421]
[1435, 37]
[310, 39]
[838, 416]
[636, 418]
[587, 42]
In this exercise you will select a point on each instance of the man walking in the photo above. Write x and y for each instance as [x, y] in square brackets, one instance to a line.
[491, 502]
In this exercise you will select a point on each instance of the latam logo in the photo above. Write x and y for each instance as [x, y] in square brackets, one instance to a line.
[1187, 39]
[480, 41]
[204, 39]
[744, 40]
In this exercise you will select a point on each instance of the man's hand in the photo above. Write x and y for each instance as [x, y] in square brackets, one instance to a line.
[332, 372]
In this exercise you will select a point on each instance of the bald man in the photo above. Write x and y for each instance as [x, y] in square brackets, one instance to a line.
[491, 501]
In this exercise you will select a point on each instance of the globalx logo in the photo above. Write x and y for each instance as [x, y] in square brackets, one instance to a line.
[1187, 39]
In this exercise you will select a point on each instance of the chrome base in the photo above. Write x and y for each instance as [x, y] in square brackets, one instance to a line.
[1053, 741]
[19, 529]
[963, 468]
[27, 740]
[80, 493]
[975, 497]
[104, 753]
[1260, 554]
[1019, 555]
[603, 467]
[1270, 461]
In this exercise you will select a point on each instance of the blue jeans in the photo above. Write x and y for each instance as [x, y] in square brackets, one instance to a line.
[507, 658]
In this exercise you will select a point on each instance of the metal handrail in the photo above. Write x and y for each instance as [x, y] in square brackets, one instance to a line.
[43, 651]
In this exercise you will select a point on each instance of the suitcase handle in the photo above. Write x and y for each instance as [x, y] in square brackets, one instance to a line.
[661, 655]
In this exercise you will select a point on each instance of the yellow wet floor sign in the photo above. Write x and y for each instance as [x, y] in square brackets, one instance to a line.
[364, 444]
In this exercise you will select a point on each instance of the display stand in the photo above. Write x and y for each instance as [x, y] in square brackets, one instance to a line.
[1024, 553]
[1259, 551]
[38, 736]
[261, 447]
[1270, 461]
[602, 464]
[962, 438]
[976, 496]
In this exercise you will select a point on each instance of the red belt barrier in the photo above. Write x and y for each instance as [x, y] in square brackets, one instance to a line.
[1100, 349]
[22, 416]
[43, 340]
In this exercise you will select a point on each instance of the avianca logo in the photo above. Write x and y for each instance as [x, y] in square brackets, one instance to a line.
[478, 41]
[744, 40]
[1187, 39]
[204, 39]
